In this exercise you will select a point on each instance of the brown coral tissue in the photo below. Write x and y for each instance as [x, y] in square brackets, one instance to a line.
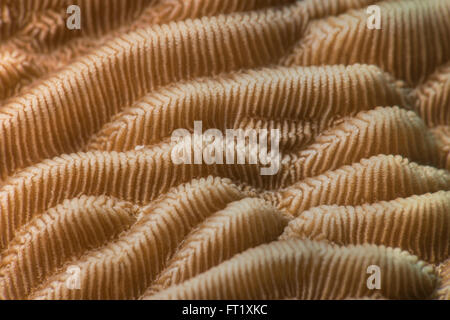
[352, 198]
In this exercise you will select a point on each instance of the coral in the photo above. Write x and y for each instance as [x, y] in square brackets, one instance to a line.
[308, 270]
[87, 176]
[418, 224]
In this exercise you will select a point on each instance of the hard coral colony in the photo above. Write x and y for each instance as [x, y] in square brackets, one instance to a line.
[87, 177]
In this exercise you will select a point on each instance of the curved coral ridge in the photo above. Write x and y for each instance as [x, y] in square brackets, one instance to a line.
[308, 270]
[87, 181]
[405, 223]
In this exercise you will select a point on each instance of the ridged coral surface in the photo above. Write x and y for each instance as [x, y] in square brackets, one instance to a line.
[88, 181]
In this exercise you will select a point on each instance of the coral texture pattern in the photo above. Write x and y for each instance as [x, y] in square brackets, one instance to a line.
[88, 180]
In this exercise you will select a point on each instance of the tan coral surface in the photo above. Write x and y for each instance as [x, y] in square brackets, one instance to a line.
[87, 181]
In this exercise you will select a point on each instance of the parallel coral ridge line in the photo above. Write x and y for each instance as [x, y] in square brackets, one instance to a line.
[59, 235]
[126, 58]
[227, 99]
[174, 198]
[55, 41]
[419, 224]
[141, 252]
[307, 163]
[328, 41]
[289, 269]
[24, 16]
[239, 226]
[433, 98]
[375, 179]
[64, 45]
